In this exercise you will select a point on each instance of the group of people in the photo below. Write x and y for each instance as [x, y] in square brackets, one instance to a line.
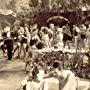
[24, 37]
[27, 38]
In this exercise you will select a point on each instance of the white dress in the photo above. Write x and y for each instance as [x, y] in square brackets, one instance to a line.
[45, 40]
[59, 38]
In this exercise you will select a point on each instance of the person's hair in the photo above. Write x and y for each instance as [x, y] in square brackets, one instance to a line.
[28, 22]
[22, 23]
[56, 65]
[45, 31]
[64, 27]
[18, 27]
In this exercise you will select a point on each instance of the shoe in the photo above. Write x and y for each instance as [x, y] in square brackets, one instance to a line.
[9, 61]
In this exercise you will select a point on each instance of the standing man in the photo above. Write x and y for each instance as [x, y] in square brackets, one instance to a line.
[8, 42]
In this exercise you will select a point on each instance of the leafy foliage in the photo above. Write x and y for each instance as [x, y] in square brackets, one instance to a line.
[11, 5]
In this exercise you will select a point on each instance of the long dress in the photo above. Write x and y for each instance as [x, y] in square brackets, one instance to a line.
[45, 40]
[59, 38]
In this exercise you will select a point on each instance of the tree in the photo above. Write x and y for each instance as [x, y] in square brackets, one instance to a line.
[11, 5]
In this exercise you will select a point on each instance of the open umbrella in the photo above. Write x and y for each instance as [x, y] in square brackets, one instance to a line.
[58, 20]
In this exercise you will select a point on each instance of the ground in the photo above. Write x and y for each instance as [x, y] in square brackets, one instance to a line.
[11, 74]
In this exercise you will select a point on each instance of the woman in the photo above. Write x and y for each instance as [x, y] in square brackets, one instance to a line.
[59, 37]
[45, 38]
[35, 38]
[67, 80]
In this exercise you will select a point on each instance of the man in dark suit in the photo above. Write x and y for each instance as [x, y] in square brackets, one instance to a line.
[8, 41]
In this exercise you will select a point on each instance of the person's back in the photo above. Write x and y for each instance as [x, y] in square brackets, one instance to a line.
[67, 80]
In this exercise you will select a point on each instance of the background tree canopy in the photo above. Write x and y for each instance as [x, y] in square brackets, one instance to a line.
[33, 9]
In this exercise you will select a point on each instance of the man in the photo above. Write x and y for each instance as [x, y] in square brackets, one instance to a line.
[8, 42]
